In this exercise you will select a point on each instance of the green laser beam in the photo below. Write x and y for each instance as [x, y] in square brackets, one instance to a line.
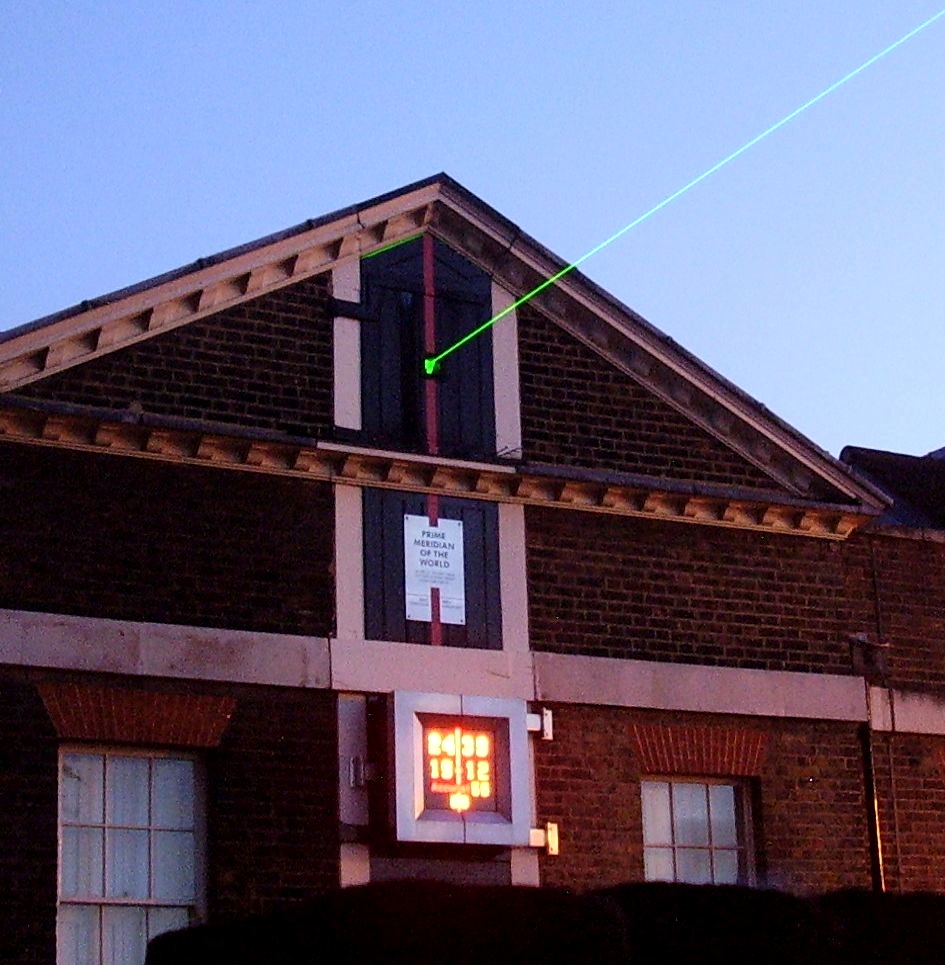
[432, 364]
[393, 244]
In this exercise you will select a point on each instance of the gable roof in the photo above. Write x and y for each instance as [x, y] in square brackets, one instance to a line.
[513, 259]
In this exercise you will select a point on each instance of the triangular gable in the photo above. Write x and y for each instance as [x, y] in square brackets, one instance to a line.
[439, 205]
[263, 364]
[579, 409]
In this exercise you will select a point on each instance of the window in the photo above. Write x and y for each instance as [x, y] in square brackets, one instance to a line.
[128, 853]
[696, 832]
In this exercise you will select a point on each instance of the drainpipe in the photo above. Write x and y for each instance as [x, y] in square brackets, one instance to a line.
[864, 660]
[894, 797]
[885, 680]
[877, 869]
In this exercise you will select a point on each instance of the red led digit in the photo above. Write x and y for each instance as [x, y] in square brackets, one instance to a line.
[459, 766]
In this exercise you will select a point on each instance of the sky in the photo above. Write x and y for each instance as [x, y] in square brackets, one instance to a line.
[136, 137]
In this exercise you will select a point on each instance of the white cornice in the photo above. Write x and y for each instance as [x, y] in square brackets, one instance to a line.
[513, 259]
[355, 466]
[141, 315]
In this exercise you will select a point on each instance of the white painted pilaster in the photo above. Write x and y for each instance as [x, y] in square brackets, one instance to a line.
[349, 563]
[346, 280]
[352, 745]
[524, 867]
[508, 422]
[346, 285]
[513, 578]
[355, 865]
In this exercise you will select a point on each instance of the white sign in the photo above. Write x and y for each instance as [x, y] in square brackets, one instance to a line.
[433, 559]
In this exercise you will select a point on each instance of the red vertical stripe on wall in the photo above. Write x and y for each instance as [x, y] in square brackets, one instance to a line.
[429, 344]
[436, 627]
[430, 403]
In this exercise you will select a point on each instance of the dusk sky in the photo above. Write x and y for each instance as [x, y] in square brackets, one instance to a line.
[810, 271]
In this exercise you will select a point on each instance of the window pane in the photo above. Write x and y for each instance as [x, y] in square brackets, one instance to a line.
[690, 814]
[124, 936]
[127, 864]
[722, 809]
[174, 865]
[658, 864]
[656, 823]
[726, 867]
[145, 850]
[127, 782]
[161, 920]
[173, 794]
[693, 866]
[81, 874]
[82, 789]
[77, 935]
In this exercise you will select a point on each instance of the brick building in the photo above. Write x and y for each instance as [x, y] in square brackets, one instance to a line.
[280, 612]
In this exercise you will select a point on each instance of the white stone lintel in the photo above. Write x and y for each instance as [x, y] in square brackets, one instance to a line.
[162, 650]
[693, 687]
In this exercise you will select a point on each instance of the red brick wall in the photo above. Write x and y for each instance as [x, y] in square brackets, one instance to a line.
[266, 363]
[588, 780]
[272, 813]
[901, 588]
[811, 831]
[28, 836]
[273, 803]
[577, 410]
[130, 539]
[915, 857]
[814, 823]
[619, 587]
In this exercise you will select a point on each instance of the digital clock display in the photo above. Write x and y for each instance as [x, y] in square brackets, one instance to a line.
[462, 769]
[459, 763]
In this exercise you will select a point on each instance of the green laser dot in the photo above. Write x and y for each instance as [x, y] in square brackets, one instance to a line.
[431, 364]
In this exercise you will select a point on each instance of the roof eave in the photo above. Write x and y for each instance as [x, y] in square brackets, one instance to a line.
[513, 258]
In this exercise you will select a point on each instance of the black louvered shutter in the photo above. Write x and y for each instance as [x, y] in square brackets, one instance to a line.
[384, 603]
[392, 380]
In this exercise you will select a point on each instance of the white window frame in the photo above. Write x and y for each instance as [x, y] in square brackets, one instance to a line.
[196, 908]
[744, 848]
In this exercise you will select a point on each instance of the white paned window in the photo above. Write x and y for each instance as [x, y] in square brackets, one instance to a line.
[129, 866]
[697, 832]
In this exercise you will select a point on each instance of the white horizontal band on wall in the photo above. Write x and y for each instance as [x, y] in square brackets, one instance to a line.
[58, 641]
